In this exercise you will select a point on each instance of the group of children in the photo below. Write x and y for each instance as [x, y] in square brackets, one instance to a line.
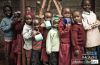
[51, 40]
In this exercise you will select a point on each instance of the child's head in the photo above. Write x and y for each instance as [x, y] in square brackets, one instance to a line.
[28, 9]
[17, 14]
[28, 19]
[66, 12]
[77, 16]
[55, 23]
[48, 15]
[7, 10]
[86, 5]
[36, 23]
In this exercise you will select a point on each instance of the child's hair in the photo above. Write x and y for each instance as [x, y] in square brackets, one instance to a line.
[65, 8]
[28, 6]
[77, 11]
[48, 12]
[83, 1]
[6, 7]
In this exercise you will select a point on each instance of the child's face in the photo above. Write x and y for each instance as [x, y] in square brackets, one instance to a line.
[28, 9]
[77, 17]
[28, 19]
[66, 13]
[8, 12]
[48, 16]
[87, 5]
[55, 24]
[36, 23]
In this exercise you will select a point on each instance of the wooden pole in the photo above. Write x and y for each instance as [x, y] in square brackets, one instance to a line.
[49, 4]
[57, 6]
[22, 7]
[42, 8]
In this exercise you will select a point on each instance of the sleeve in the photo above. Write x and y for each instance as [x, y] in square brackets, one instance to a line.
[48, 43]
[74, 37]
[86, 25]
[27, 33]
[4, 26]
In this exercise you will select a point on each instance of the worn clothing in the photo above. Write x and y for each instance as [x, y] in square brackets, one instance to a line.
[65, 42]
[17, 41]
[27, 35]
[6, 27]
[53, 58]
[44, 55]
[93, 34]
[36, 57]
[52, 41]
[78, 38]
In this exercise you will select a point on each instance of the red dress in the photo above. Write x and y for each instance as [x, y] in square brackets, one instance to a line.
[78, 37]
[64, 52]
[17, 42]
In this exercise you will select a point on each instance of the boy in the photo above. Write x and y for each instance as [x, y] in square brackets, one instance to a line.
[52, 44]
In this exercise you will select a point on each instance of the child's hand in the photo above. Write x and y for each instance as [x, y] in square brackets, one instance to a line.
[76, 52]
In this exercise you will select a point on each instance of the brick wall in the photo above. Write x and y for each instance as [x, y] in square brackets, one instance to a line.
[97, 7]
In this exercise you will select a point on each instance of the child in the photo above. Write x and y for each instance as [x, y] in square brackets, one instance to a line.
[65, 40]
[37, 43]
[47, 18]
[29, 11]
[6, 27]
[78, 38]
[90, 24]
[52, 44]
[17, 25]
[27, 35]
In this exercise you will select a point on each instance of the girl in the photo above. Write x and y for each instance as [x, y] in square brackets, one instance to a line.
[18, 40]
[78, 38]
[27, 35]
[6, 27]
[52, 43]
[90, 24]
[37, 43]
[29, 11]
[64, 32]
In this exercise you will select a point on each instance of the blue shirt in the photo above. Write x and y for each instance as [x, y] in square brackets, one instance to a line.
[5, 26]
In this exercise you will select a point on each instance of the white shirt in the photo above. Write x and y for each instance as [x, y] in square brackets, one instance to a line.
[27, 35]
[93, 35]
[52, 41]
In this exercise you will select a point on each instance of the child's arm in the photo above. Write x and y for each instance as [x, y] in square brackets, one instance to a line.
[48, 43]
[74, 36]
[96, 24]
[86, 25]
[4, 26]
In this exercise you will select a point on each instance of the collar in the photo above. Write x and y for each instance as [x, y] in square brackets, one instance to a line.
[29, 26]
[87, 13]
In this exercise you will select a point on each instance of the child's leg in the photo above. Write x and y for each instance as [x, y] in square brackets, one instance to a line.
[53, 59]
[36, 56]
[28, 56]
[8, 46]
